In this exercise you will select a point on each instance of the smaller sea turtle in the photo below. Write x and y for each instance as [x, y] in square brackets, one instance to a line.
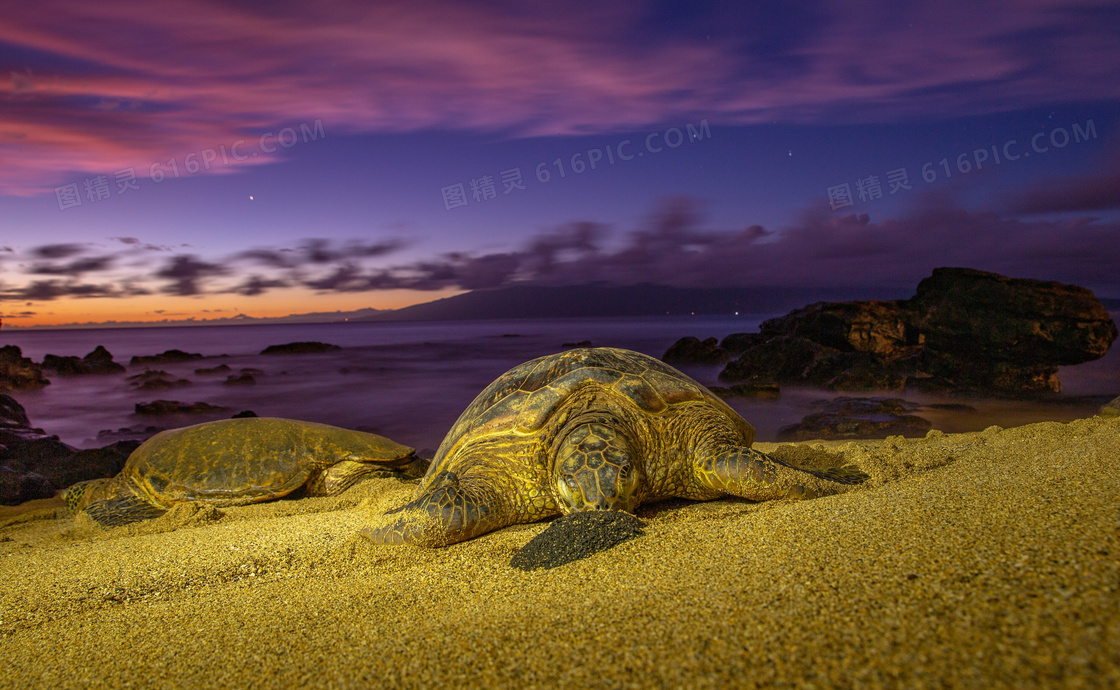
[234, 462]
[590, 429]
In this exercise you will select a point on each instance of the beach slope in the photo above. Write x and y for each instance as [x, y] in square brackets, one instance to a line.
[989, 559]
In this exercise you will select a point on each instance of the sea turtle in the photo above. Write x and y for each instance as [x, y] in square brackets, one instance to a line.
[589, 429]
[234, 462]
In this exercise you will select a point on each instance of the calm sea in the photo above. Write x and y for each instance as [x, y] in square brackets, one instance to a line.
[410, 381]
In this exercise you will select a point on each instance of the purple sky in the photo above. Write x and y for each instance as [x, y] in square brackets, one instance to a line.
[268, 158]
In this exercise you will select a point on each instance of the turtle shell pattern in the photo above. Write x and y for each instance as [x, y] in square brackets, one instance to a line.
[233, 461]
[522, 400]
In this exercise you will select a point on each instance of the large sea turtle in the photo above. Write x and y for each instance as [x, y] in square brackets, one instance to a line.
[588, 429]
[234, 462]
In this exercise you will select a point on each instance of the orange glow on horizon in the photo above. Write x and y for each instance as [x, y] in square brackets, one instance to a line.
[162, 308]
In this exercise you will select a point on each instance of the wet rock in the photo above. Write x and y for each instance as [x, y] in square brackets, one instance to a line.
[690, 350]
[748, 390]
[858, 418]
[582, 343]
[781, 359]
[136, 433]
[1111, 409]
[18, 372]
[241, 380]
[301, 348]
[964, 331]
[875, 327]
[244, 413]
[576, 536]
[35, 465]
[166, 357]
[737, 343]
[156, 380]
[214, 371]
[98, 362]
[981, 315]
[166, 407]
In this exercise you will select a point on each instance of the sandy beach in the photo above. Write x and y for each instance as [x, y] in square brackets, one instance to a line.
[987, 559]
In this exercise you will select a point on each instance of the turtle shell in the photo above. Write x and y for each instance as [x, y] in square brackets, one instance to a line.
[236, 461]
[523, 399]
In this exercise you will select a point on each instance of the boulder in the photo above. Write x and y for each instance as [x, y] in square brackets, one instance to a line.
[214, 371]
[785, 359]
[18, 372]
[748, 390]
[736, 344]
[858, 418]
[242, 380]
[1111, 409]
[166, 357]
[982, 315]
[964, 331]
[165, 407]
[35, 465]
[100, 361]
[876, 327]
[301, 348]
[689, 350]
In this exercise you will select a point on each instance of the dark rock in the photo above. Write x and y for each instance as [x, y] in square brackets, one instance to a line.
[875, 327]
[167, 357]
[18, 372]
[12, 413]
[748, 390]
[135, 434]
[858, 418]
[301, 348]
[34, 465]
[242, 380]
[738, 343]
[244, 413]
[252, 371]
[166, 407]
[17, 487]
[781, 359]
[582, 343]
[689, 350]
[1111, 409]
[988, 316]
[156, 380]
[212, 371]
[855, 371]
[965, 331]
[98, 362]
[579, 535]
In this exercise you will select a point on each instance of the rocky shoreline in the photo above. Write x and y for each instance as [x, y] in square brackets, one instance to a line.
[963, 332]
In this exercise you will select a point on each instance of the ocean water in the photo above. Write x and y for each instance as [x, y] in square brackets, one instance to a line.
[410, 381]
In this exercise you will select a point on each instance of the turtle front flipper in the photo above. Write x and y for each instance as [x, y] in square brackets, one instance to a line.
[754, 475]
[122, 510]
[450, 511]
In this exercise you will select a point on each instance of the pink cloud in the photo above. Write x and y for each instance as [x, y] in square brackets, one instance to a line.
[133, 86]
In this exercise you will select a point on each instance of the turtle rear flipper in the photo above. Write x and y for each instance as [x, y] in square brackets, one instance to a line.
[449, 512]
[122, 510]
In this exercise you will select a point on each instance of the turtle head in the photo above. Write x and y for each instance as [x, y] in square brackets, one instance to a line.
[80, 495]
[595, 469]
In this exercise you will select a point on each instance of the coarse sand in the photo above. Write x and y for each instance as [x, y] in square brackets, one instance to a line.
[987, 559]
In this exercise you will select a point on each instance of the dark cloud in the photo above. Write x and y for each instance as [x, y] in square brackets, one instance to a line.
[57, 251]
[75, 268]
[185, 271]
[257, 285]
[47, 290]
[1086, 193]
